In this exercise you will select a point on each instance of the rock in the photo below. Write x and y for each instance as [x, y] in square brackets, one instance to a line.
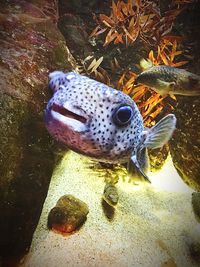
[196, 204]
[185, 144]
[195, 251]
[31, 46]
[68, 215]
[83, 7]
[157, 157]
[72, 28]
[110, 194]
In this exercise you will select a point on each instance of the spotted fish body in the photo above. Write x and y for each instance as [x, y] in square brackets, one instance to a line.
[98, 121]
[95, 103]
[169, 80]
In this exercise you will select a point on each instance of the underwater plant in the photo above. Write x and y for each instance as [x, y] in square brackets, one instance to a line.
[131, 25]
[91, 66]
[148, 101]
[136, 19]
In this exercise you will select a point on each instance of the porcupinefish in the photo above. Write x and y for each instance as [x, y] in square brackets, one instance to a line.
[98, 121]
[169, 80]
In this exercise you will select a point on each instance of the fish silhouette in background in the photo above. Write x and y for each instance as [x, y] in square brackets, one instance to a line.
[167, 80]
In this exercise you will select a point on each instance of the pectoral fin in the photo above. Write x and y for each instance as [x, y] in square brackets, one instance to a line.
[163, 88]
[138, 167]
[161, 133]
[165, 85]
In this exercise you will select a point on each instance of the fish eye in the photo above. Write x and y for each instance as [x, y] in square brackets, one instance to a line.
[122, 115]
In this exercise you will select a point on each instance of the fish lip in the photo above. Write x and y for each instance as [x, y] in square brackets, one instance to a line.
[67, 113]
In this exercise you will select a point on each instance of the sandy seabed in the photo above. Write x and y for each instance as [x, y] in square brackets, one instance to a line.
[153, 224]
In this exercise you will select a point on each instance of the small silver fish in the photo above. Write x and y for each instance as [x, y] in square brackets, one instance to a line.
[169, 80]
[98, 121]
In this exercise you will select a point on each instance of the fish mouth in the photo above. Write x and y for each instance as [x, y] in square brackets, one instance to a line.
[67, 113]
[70, 116]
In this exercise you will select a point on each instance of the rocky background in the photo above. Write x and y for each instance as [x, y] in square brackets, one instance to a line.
[185, 144]
[32, 44]
[30, 47]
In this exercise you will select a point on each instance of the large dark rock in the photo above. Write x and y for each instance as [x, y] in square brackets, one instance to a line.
[185, 144]
[30, 47]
